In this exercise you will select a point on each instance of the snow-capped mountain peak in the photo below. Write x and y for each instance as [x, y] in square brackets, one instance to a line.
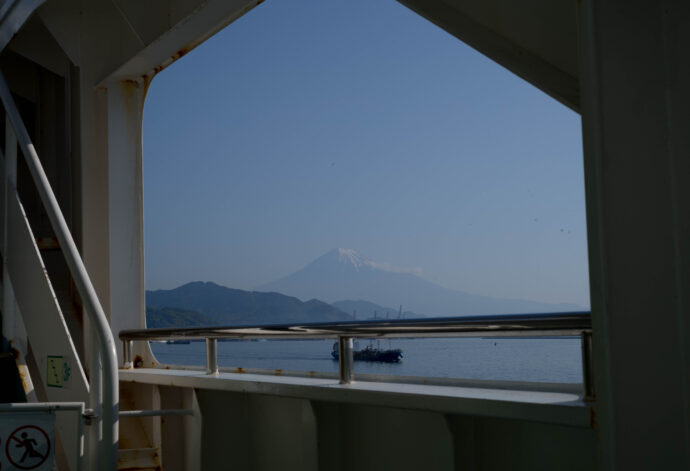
[349, 256]
[345, 274]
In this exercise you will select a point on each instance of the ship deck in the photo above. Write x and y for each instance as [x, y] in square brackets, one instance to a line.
[494, 399]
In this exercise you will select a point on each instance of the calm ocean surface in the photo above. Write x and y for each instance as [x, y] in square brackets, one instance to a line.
[546, 360]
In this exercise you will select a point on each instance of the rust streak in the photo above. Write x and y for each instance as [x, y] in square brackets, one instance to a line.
[22, 376]
[182, 52]
[189, 47]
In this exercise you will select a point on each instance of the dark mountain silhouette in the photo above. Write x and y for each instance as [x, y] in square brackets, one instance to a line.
[344, 274]
[235, 306]
[172, 317]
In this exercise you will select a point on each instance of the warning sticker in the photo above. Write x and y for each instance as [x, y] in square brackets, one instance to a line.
[26, 441]
[55, 371]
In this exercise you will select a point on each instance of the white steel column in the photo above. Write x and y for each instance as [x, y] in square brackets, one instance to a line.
[636, 127]
[125, 188]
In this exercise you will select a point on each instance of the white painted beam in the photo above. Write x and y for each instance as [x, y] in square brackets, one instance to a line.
[636, 129]
[126, 219]
[535, 39]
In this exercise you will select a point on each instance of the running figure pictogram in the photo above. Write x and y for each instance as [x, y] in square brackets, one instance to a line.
[28, 447]
[29, 444]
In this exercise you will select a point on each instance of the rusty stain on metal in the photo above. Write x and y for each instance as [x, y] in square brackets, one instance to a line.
[138, 361]
[239, 370]
[130, 89]
[189, 47]
[23, 378]
[23, 372]
[135, 459]
[181, 53]
[278, 372]
[47, 243]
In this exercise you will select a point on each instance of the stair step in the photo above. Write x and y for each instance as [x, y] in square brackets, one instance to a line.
[139, 459]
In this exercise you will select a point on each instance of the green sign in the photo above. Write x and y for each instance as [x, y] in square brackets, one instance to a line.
[56, 371]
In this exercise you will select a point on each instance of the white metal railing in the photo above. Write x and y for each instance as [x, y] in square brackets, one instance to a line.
[514, 325]
[103, 379]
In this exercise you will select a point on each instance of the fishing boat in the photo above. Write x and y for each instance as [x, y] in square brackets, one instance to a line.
[371, 353]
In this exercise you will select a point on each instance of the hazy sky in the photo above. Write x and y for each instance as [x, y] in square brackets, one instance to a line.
[309, 125]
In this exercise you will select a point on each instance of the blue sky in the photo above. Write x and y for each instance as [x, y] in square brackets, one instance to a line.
[307, 125]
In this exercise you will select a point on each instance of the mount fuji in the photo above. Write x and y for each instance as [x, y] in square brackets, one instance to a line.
[343, 274]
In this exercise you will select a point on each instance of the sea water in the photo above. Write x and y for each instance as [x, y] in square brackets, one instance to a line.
[513, 359]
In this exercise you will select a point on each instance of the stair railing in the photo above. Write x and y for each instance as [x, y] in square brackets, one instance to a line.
[105, 374]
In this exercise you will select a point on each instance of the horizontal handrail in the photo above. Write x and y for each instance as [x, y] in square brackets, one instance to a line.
[514, 325]
[42, 407]
[156, 413]
[87, 293]
[561, 324]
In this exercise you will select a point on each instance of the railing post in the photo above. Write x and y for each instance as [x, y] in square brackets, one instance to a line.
[211, 356]
[94, 438]
[127, 353]
[345, 360]
[587, 371]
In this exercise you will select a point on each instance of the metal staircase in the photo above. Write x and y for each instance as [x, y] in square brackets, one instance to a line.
[34, 325]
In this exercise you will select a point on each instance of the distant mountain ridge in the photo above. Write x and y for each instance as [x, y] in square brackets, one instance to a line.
[366, 310]
[230, 306]
[344, 274]
[169, 317]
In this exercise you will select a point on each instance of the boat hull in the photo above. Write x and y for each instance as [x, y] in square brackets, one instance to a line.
[373, 355]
